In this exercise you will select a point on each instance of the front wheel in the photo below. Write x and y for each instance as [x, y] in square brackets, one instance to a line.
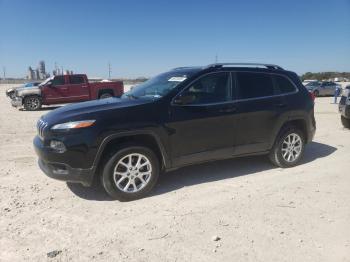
[130, 173]
[288, 148]
[32, 103]
[345, 122]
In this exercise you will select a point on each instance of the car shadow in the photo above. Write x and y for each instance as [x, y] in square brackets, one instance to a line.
[204, 173]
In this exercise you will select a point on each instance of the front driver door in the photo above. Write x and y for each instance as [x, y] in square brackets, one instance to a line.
[56, 92]
[203, 123]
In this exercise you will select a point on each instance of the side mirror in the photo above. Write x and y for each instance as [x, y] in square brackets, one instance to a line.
[49, 84]
[184, 99]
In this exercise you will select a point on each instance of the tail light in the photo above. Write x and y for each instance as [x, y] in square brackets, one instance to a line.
[312, 96]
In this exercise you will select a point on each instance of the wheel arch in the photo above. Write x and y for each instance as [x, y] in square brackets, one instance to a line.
[102, 91]
[29, 95]
[299, 123]
[147, 139]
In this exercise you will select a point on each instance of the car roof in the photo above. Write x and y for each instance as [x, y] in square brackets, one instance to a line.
[253, 67]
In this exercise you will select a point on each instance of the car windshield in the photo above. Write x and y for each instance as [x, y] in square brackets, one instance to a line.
[312, 84]
[160, 85]
[47, 80]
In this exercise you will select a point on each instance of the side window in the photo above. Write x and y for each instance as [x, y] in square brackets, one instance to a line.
[76, 80]
[253, 85]
[58, 80]
[212, 88]
[284, 85]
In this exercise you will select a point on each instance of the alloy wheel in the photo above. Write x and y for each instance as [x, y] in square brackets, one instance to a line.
[291, 147]
[32, 103]
[132, 173]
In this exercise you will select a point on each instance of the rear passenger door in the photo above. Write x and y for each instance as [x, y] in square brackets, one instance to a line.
[259, 109]
[78, 89]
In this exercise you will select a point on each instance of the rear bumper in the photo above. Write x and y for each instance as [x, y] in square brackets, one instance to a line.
[311, 134]
[58, 170]
[16, 102]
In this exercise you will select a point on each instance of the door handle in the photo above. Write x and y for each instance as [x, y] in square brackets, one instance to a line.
[281, 104]
[228, 109]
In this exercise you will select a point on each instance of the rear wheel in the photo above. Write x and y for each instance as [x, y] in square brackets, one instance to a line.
[288, 148]
[105, 95]
[32, 103]
[130, 173]
[345, 122]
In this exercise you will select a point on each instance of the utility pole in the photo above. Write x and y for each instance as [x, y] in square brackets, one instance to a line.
[109, 70]
[216, 58]
[4, 71]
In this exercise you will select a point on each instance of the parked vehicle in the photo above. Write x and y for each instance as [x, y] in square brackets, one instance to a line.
[11, 91]
[306, 81]
[344, 107]
[322, 88]
[182, 117]
[65, 89]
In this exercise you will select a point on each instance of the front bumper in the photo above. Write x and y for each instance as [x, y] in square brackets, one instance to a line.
[58, 170]
[17, 102]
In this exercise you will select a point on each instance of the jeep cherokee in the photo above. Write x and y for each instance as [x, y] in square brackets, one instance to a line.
[182, 117]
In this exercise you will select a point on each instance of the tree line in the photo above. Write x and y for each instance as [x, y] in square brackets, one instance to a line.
[325, 75]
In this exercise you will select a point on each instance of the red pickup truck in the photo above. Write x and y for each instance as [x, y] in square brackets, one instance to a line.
[65, 89]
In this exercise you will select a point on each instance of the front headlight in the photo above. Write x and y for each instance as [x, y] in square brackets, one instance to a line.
[74, 125]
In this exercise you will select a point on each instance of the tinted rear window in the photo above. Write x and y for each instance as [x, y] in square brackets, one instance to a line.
[253, 85]
[284, 85]
[76, 79]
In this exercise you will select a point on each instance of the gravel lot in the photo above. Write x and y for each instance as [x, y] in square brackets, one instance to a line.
[234, 210]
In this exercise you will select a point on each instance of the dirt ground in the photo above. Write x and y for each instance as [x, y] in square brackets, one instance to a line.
[259, 212]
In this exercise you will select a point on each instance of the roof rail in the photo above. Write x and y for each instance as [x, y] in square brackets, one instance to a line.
[268, 66]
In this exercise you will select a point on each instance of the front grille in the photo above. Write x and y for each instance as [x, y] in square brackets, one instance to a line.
[41, 125]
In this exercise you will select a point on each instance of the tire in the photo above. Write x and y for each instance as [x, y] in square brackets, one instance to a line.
[126, 184]
[316, 93]
[105, 95]
[345, 122]
[32, 103]
[279, 154]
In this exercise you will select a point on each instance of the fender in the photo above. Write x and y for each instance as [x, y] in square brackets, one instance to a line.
[106, 140]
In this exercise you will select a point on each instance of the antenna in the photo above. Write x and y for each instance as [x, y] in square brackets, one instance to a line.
[109, 70]
[216, 58]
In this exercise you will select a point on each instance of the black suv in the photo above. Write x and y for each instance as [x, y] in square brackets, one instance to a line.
[344, 107]
[182, 117]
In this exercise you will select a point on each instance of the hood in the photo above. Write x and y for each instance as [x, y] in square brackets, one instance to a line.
[21, 88]
[90, 109]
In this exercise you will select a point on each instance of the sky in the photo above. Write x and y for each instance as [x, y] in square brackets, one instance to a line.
[144, 38]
